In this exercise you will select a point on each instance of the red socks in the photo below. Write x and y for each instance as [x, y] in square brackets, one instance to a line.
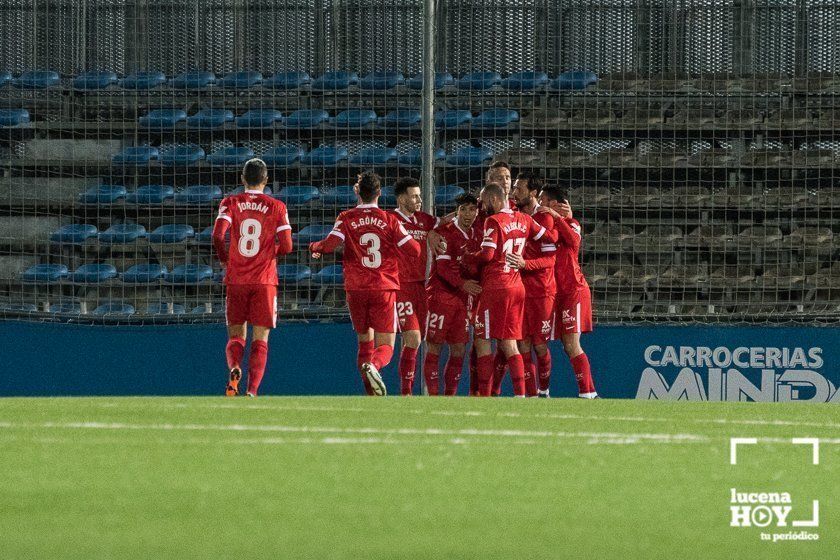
[517, 374]
[452, 375]
[499, 367]
[234, 351]
[408, 364]
[365, 354]
[530, 375]
[544, 370]
[484, 365]
[431, 373]
[580, 364]
[473, 372]
[382, 356]
[256, 364]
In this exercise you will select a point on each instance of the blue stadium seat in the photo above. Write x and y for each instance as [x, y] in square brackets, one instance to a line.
[136, 155]
[144, 80]
[150, 194]
[381, 80]
[469, 156]
[45, 273]
[445, 195]
[282, 156]
[374, 156]
[122, 233]
[354, 118]
[190, 274]
[202, 310]
[259, 118]
[452, 118]
[287, 80]
[205, 237]
[342, 196]
[74, 233]
[306, 118]
[442, 79]
[161, 308]
[332, 275]
[13, 117]
[324, 156]
[163, 118]
[401, 118]
[94, 80]
[146, 273]
[495, 118]
[187, 154]
[413, 157]
[525, 81]
[312, 233]
[94, 273]
[335, 80]
[298, 195]
[477, 81]
[103, 194]
[387, 198]
[115, 308]
[232, 156]
[575, 80]
[210, 118]
[66, 308]
[19, 307]
[37, 79]
[219, 277]
[5, 78]
[193, 80]
[199, 194]
[241, 80]
[293, 273]
[172, 233]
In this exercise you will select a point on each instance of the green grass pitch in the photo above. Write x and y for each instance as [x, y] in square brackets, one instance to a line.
[418, 478]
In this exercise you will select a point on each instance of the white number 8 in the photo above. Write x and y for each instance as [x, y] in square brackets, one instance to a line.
[249, 237]
[373, 259]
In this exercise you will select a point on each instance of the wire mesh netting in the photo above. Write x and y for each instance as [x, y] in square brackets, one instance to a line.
[697, 140]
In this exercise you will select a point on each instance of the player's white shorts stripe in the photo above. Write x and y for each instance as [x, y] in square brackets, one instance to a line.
[227, 301]
[488, 244]
[540, 234]
[274, 314]
[444, 258]
[404, 240]
[553, 323]
[284, 228]
[396, 318]
[487, 324]
[337, 234]
[224, 217]
[577, 315]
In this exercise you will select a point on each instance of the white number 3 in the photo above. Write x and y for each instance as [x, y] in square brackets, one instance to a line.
[373, 259]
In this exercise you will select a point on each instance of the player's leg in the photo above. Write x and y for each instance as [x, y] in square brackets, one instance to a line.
[543, 368]
[525, 347]
[363, 355]
[512, 313]
[408, 359]
[482, 324]
[510, 349]
[357, 304]
[262, 314]
[257, 358]
[431, 367]
[580, 365]
[454, 367]
[382, 316]
[236, 317]
[411, 312]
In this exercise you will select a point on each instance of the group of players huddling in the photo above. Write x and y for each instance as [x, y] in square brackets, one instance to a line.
[505, 262]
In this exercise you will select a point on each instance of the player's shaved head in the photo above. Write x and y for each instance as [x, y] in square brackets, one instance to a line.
[493, 198]
[255, 173]
[369, 185]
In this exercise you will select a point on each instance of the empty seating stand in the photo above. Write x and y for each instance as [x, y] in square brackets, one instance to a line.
[13, 117]
[94, 274]
[183, 155]
[122, 233]
[282, 156]
[241, 80]
[95, 80]
[193, 80]
[381, 80]
[332, 275]
[208, 119]
[293, 273]
[145, 273]
[172, 233]
[324, 156]
[145, 80]
[163, 118]
[186, 274]
[136, 155]
[335, 81]
[259, 118]
[231, 156]
[45, 274]
[442, 80]
[37, 79]
[199, 194]
[103, 194]
[287, 81]
[298, 195]
[74, 234]
[150, 194]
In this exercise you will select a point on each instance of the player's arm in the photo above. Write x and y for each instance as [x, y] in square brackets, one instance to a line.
[568, 233]
[220, 229]
[448, 270]
[284, 235]
[332, 242]
[404, 241]
[542, 234]
[489, 245]
[547, 249]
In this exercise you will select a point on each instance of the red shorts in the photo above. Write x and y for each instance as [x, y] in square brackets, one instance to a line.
[500, 313]
[251, 303]
[373, 309]
[574, 313]
[447, 322]
[539, 319]
[411, 306]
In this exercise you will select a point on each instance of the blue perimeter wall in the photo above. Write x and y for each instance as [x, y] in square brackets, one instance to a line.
[770, 363]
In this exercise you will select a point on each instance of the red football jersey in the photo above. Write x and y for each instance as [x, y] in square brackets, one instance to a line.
[506, 232]
[418, 226]
[567, 273]
[540, 282]
[447, 274]
[372, 238]
[255, 219]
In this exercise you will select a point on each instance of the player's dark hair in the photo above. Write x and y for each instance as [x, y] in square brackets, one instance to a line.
[255, 172]
[369, 186]
[466, 199]
[405, 183]
[554, 192]
[494, 189]
[535, 182]
[498, 165]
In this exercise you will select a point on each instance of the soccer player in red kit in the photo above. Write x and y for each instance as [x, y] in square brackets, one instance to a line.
[501, 305]
[537, 268]
[372, 239]
[260, 232]
[573, 311]
[451, 289]
[411, 299]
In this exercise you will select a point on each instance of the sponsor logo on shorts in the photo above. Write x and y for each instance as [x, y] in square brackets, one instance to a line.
[546, 327]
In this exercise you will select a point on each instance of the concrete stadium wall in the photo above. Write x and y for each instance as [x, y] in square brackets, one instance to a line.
[688, 363]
